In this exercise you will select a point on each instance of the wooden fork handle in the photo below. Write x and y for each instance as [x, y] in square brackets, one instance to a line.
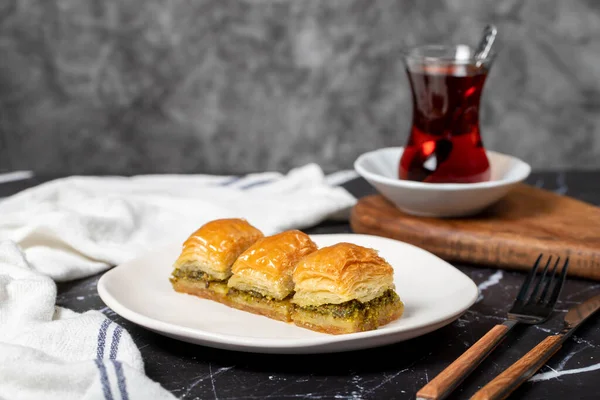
[447, 380]
[505, 383]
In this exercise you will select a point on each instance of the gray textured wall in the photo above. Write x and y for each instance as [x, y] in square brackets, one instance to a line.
[129, 86]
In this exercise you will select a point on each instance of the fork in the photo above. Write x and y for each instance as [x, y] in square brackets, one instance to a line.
[530, 307]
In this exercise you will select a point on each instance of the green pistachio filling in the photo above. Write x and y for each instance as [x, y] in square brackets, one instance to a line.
[192, 275]
[355, 308]
[253, 296]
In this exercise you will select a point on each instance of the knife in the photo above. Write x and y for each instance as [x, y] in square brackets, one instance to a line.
[505, 383]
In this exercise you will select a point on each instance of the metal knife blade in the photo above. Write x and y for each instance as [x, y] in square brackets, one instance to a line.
[579, 313]
[510, 379]
[505, 383]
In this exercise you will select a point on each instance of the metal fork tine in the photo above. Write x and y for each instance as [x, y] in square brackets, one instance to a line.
[558, 285]
[549, 281]
[532, 312]
[525, 286]
[536, 288]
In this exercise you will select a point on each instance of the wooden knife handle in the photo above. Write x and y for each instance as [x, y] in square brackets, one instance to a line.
[447, 380]
[505, 383]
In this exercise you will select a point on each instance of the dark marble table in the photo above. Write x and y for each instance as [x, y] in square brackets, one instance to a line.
[392, 372]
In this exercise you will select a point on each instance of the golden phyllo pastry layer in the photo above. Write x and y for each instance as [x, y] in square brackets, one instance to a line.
[262, 275]
[204, 264]
[214, 247]
[341, 273]
[266, 267]
[344, 288]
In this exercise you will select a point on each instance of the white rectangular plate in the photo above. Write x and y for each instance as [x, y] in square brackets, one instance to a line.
[434, 294]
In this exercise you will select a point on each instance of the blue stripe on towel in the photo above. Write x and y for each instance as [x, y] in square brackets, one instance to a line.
[255, 184]
[104, 379]
[121, 380]
[102, 338]
[99, 356]
[230, 181]
[114, 346]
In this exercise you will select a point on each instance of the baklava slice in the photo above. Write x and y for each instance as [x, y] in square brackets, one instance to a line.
[262, 276]
[204, 265]
[344, 288]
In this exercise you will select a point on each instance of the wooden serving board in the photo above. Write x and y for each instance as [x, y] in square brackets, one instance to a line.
[510, 234]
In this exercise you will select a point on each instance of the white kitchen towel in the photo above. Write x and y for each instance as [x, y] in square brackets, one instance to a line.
[78, 226]
[48, 352]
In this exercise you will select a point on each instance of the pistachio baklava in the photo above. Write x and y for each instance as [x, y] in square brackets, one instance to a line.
[344, 288]
[261, 280]
[204, 265]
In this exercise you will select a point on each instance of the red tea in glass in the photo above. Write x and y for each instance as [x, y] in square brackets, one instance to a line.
[445, 144]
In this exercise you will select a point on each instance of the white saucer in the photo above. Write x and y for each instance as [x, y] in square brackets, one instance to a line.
[434, 292]
[380, 169]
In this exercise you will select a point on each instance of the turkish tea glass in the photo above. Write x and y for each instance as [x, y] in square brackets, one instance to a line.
[445, 145]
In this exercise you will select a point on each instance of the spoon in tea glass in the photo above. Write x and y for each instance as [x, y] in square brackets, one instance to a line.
[484, 48]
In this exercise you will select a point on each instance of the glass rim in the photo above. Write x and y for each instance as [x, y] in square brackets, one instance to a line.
[409, 53]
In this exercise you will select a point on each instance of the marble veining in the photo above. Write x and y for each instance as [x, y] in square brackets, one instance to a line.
[229, 86]
[553, 374]
[561, 184]
[208, 381]
[494, 279]
[396, 371]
